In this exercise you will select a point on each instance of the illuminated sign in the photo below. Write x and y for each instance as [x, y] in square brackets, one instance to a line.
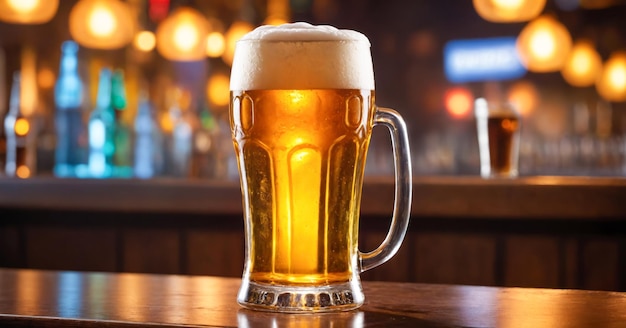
[492, 59]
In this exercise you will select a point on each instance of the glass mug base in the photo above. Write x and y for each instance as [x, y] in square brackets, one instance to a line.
[295, 299]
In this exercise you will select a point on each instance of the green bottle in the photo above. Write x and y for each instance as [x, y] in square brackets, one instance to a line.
[123, 157]
[102, 130]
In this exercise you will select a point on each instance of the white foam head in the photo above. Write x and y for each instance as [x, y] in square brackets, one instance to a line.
[302, 56]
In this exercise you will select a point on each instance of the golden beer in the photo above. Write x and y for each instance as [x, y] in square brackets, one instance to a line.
[301, 116]
[306, 150]
[502, 133]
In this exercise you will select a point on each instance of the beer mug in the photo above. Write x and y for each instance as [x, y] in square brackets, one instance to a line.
[301, 115]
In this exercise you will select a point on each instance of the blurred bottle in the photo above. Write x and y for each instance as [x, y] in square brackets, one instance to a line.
[148, 152]
[3, 112]
[205, 158]
[102, 130]
[180, 142]
[68, 97]
[122, 158]
[17, 130]
[202, 157]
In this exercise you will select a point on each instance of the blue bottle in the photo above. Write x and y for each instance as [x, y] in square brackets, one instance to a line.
[68, 98]
[147, 156]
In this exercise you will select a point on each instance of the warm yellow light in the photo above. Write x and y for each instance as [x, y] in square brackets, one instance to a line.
[234, 33]
[583, 65]
[458, 101]
[274, 20]
[28, 11]
[22, 172]
[23, 6]
[45, 78]
[145, 41]
[506, 11]
[21, 127]
[509, 4]
[544, 44]
[278, 12]
[185, 37]
[202, 142]
[612, 82]
[182, 35]
[218, 89]
[524, 97]
[617, 77]
[167, 123]
[580, 63]
[215, 44]
[102, 24]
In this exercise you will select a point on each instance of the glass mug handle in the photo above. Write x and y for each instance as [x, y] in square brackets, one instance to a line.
[403, 190]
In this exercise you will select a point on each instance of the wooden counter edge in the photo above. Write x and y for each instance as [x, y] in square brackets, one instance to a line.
[583, 198]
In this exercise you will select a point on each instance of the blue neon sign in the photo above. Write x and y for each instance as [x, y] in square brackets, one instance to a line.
[474, 60]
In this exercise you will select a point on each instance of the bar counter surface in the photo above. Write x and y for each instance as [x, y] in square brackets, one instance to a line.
[32, 298]
[545, 197]
[533, 231]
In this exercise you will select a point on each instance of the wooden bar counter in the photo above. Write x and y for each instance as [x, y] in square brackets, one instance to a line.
[544, 197]
[551, 232]
[35, 298]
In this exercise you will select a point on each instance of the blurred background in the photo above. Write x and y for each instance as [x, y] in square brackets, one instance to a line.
[101, 93]
[139, 88]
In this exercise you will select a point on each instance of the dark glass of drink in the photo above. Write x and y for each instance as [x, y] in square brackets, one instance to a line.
[498, 139]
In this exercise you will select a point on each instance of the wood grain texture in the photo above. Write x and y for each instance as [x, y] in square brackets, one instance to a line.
[215, 252]
[70, 247]
[10, 246]
[600, 262]
[586, 261]
[31, 298]
[455, 258]
[569, 263]
[532, 261]
[151, 250]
